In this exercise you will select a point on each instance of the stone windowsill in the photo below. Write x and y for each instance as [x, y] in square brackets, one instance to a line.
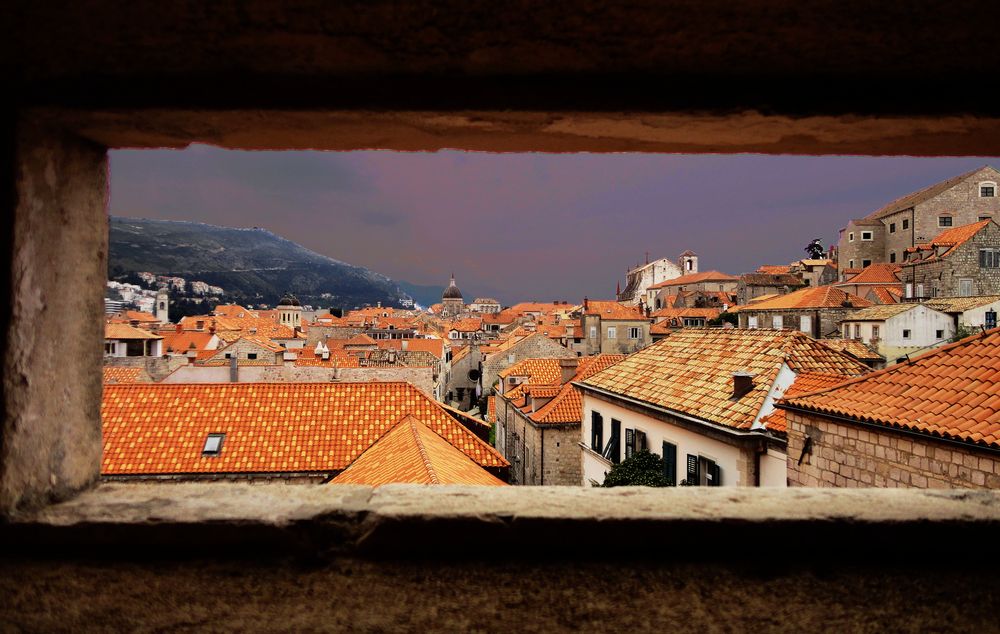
[412, 520]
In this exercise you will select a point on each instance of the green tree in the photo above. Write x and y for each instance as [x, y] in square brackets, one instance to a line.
[963, 331]
[641, 469]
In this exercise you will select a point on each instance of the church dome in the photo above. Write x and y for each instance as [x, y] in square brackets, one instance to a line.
[289, 300]
[452, 291]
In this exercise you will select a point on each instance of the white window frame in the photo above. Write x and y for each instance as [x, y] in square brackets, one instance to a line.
[805, 324]
[983, 184]
[907, 333]
[752, 322]
[971, 284]
[612, 332]
[874, 331]
[593, 332]
[633, 332]
[870, 235]
[777, 322]
[850, 237]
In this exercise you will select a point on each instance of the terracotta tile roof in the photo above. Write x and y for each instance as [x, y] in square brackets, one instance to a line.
[950, 392]
[804, 383]
[491, 409]
[567, 405]
[360, 339]
[761, 298]
[774, 269]
[136, 315]
[923, 195]
[269, 427]
[117, 374]
[125, 331]
[820, 262]
[552, 332]
[707, 313]
[697, 278]
[952, 238]
[812, 297]
[691, 371]
[181, 342]
[613, 310]
[768, 279]
[537, 371]
[854, 348]
[263, 342]
[411, 453]
[960, 304]
[458, 354]
[233, 310]
[468, 324]
[878, 273]
[888, 294]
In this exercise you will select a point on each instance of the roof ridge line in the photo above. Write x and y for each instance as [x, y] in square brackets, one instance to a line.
[422, 449]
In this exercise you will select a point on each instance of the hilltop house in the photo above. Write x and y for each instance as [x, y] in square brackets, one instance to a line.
[959, 262]
[885, 234]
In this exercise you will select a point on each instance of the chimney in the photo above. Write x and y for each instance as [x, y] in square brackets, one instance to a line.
[567, 368]
[234, 370]
[192, 355]
[586, 303]
[742, 383]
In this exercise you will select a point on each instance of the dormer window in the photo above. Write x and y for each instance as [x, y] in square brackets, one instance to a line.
[987, 189]
[213, 445]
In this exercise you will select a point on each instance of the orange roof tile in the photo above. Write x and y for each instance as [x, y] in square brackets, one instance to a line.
[413, 454]
[878, 273]
[269, 427]
[567, 405]
[468, 324]
[117, 374]
[140, 316]
[125, 331]
[697, 278]
[951, 238]
[233, 310]
[360, 339]
[691, 371]
[852, 347]
[181, 342]
[812, 297]
[433, 346]
[776, 269]
[613, 310]
[888, 294]
[950, 392]
[537, 371]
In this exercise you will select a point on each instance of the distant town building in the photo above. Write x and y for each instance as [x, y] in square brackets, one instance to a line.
[639, 279]
[609, 327]
[959, 262]
[451, 300]
[885, 234]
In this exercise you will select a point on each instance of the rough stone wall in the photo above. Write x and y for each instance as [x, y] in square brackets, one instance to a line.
[421, 378]
[827, 324]
[241, 348]
[941, 278]
[158, 368]
[846, 455]
[860, 250]
[561, 465]
[538, 455]
[533, 347]
[961, 201]
[901, 239]
[50, 446]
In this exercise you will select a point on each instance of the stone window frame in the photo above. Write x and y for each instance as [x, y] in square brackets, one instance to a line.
[870, 234]
[850, 237]
[991, 185]
[945, 221]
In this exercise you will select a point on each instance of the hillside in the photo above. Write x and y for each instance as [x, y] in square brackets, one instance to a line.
[252, 265]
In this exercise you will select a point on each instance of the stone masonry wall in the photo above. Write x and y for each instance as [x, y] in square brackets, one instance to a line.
[533, 347]
[539, 455]
[941, 277]
[962, 201]
[241, 348]
[846, 455]
[858, 249]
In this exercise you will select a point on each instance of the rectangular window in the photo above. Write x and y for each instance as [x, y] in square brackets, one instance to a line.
[612, 451]
[965, 287]
[987, 191]
[693, 477]
[865, 263]
[892, 227]
[633, 333]
[252, 356]
[847, 331]
[629, 443]
[751, 321]
[593, 332]
[892, 256]
[713, 474]
[596, 432]
[991, 318]
[805, 324]
[866, 235]
[777, 322]
[612, 332]
[874, 332]
[670, 463]
[850, 237]
[857, 331]
[909, 290]
[906, 223]
[213, 445]
[850, 264]
[906, 333]
[920, 290]
[989, 258]
[944, 221]
[939, 334]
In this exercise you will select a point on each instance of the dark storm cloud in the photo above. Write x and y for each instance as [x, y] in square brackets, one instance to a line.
[523, 226]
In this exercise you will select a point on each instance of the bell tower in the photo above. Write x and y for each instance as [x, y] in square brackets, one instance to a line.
[163, 305]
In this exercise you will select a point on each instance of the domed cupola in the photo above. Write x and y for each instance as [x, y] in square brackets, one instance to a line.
[452, 291]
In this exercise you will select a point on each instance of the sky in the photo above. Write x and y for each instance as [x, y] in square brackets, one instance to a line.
[521, 227]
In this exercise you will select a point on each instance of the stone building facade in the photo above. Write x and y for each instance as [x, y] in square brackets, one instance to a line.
[918, 217]
[850, 455]
[639, 279]
[538, 454]
[536, 346]
[752, 285]
[611, 328]
[967, 269]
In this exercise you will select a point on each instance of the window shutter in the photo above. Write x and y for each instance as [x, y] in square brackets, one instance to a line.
[614, 450]
[629, 443]
[692, 471]
[670, 463]
[596, 431]
[716, 475]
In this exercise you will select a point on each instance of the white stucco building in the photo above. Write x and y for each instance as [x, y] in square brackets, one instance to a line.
[896, 330]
